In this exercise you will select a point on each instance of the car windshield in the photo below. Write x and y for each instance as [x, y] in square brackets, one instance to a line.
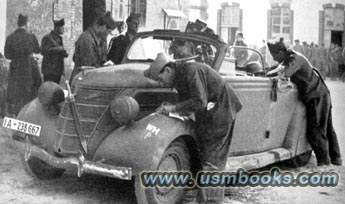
[147, 48]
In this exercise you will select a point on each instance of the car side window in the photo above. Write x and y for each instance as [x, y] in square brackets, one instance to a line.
[242, 61]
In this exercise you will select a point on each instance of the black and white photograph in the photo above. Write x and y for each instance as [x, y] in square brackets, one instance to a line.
[172, 101]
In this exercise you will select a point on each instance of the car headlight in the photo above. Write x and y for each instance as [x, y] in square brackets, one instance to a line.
[124, 109]
[50, 93]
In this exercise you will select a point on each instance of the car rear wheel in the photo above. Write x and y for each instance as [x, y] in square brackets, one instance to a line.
[175, 158]
[40, 169]
[300, 160]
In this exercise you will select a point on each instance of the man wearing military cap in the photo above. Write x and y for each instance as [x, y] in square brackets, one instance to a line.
[24, 77]
[202, 91]
[53, 53]
[89, 48]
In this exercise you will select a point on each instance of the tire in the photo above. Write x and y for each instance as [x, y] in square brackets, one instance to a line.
[175, 158]
[40, 169]
[300, 160]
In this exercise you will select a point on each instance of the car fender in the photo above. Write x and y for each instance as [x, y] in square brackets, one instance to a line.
[140, 145]
[296, 137]
[34, 112]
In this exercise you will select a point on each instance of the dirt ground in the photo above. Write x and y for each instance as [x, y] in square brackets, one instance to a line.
[16, 186]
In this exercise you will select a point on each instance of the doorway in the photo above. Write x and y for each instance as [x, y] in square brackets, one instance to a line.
[337, 37]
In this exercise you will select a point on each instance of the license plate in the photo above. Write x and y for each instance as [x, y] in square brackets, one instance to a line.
[21, 126]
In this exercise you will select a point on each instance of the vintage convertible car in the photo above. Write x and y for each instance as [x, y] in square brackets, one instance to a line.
[107, 124]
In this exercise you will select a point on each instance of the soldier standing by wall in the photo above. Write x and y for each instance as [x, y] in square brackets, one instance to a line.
[53, 53]
[24, 76]
[119, 44]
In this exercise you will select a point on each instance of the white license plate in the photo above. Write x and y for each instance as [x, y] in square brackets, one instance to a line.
[21, 126]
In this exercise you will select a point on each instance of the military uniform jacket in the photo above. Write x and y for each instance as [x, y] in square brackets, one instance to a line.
[53, 55]
[308, 81]
[24, 76]
[118, 47]
[197, 85]
[88, 50]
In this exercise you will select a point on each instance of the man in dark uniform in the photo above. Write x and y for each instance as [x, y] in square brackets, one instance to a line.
[240, 55]
[24, 76]
[53, 53]
[315, 95]
[119, 44]
[89, 49]
[202, 91]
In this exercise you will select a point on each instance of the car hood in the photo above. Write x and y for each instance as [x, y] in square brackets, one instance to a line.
[119, 76]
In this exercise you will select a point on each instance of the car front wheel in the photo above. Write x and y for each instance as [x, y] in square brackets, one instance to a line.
[175, 158]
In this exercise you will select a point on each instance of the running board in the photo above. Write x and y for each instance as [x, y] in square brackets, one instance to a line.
[258, 160]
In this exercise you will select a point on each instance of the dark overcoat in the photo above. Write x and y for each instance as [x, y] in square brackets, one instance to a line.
[24, 76]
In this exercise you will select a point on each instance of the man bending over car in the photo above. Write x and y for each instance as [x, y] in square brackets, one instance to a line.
[199, 86]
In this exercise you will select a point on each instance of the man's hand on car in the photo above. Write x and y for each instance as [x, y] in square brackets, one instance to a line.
[166, 109]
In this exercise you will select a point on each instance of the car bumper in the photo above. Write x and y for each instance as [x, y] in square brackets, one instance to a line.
[83, 165]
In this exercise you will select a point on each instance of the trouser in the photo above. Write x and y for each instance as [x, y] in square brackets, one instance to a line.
[52, 77]
[213, 158]
[320, 131]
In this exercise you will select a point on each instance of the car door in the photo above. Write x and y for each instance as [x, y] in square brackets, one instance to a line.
[262, 122]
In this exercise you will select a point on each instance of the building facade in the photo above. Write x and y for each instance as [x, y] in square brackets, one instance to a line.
[320, 21]
[229, 19]
[332, 24]
[280, 20]
[163, 14]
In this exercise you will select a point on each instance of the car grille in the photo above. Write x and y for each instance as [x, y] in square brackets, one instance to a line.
[95, 119]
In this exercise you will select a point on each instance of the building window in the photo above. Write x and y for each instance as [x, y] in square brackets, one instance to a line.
[139, 7]
[276, 20]
[281, 21]
[276, 11]
[286, 30]
[276, 29]
[286, 20]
